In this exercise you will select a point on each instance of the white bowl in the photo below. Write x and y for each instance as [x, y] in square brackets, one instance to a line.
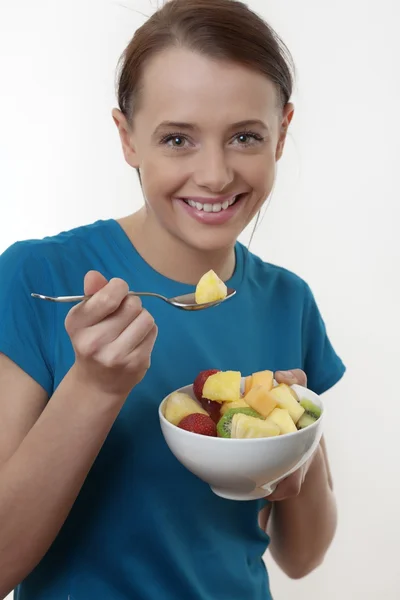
[243, 469]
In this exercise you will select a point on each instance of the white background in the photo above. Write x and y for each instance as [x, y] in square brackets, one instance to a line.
[333, 218]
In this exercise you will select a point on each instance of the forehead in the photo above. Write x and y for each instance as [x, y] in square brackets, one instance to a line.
[184, 85]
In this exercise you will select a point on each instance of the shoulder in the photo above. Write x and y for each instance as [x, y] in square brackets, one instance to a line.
[31, 256]
[272, 277]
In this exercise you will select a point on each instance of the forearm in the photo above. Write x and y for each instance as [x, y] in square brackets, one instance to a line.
[302, 528]
[41, 480]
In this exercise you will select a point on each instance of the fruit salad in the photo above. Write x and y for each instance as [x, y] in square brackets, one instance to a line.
[227, 407]
[210, 288]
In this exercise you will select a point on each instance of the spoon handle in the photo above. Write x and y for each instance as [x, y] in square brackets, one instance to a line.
[72, 299]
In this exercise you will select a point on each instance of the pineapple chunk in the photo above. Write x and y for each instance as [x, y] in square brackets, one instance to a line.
[237, 404]
[282, 418]
[260, 399]
[285, 399]
[246, 427]
[210, 288]
[180, 405]
[223, 386]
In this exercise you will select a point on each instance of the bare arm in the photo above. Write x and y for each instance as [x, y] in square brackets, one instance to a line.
[302, 527]
[45, 455]
[48, 449]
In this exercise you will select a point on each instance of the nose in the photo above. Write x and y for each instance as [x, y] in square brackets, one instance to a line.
[212, 170]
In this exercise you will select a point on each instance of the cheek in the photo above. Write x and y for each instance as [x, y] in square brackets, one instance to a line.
[161, 177]
[260, 173]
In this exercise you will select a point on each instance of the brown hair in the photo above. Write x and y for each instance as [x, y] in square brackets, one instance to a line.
[221, 29]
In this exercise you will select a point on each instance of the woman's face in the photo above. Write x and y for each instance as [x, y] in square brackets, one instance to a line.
[206, 138]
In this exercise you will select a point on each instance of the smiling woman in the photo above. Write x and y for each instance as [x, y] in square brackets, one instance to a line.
[92, 503]
[205, 112]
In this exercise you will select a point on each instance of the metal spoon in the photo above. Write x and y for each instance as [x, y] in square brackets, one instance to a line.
[185, 302]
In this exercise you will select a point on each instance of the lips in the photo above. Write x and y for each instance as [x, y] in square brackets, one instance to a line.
[211, 205]
[212, 211]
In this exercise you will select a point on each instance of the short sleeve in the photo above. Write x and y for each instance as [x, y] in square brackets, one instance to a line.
[26, 324]
[323, 367]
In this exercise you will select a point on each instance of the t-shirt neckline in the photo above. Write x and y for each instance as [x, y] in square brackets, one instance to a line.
[175, 287]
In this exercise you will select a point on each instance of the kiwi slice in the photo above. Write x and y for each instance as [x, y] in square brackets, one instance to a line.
[225, 423]
[311, 409]
[305, 420]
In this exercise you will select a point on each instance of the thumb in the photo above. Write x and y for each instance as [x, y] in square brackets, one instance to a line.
[93, 282]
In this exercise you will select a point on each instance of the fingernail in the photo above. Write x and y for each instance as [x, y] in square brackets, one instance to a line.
[287, 374]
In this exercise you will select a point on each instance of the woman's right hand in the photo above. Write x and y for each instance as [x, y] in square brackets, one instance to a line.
[112, 335]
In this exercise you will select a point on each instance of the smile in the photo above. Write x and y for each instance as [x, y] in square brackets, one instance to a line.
[212, 207]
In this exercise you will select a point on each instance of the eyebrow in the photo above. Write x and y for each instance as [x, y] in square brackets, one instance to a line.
[191, 127]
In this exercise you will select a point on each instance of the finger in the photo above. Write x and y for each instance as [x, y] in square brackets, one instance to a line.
[93, 282]
[295, 376]
[135, 333]
[119, 350]
[105, 302]
[144, 350]
[110, 328]
[288, 488]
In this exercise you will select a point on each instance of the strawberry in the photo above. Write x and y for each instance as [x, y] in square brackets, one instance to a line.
[213, 408]
[201, 424]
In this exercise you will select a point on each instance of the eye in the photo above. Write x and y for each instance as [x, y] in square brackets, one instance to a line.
[248, 138]
[175, 141]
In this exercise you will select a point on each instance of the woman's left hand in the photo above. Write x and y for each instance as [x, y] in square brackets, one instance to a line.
[291, 486]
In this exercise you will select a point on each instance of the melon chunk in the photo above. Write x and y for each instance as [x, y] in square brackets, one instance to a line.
[264, 378]
[285, 399]
[210, 288]
[282, 418]
[223, 386]
[261, 400]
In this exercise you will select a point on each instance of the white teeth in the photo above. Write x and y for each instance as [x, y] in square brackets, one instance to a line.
[217, 207]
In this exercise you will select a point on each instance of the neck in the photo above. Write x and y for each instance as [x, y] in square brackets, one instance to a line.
[171, 257]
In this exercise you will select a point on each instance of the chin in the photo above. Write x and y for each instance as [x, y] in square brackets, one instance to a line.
[208, 240]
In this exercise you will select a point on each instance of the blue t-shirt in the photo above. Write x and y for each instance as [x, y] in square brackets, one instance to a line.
[143, 527]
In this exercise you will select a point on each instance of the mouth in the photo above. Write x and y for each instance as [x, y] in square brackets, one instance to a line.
[212, 211]
[212, 205]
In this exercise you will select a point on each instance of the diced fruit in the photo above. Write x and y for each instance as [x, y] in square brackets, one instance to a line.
[210, 288]
[264, 378]
[212, 408]
[225, 423]
[201, 424]
[305, 421]
[180, 405]
[285, 399]
[311, 408]
[228, 405]
[248, 384]
[223, 386]
[261, 400]
[246, 427]
[282, 418]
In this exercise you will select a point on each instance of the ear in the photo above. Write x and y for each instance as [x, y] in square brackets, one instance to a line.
[126, 137]
[287, 117]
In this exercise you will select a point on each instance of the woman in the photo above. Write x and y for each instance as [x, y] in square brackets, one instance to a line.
[92, 503]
